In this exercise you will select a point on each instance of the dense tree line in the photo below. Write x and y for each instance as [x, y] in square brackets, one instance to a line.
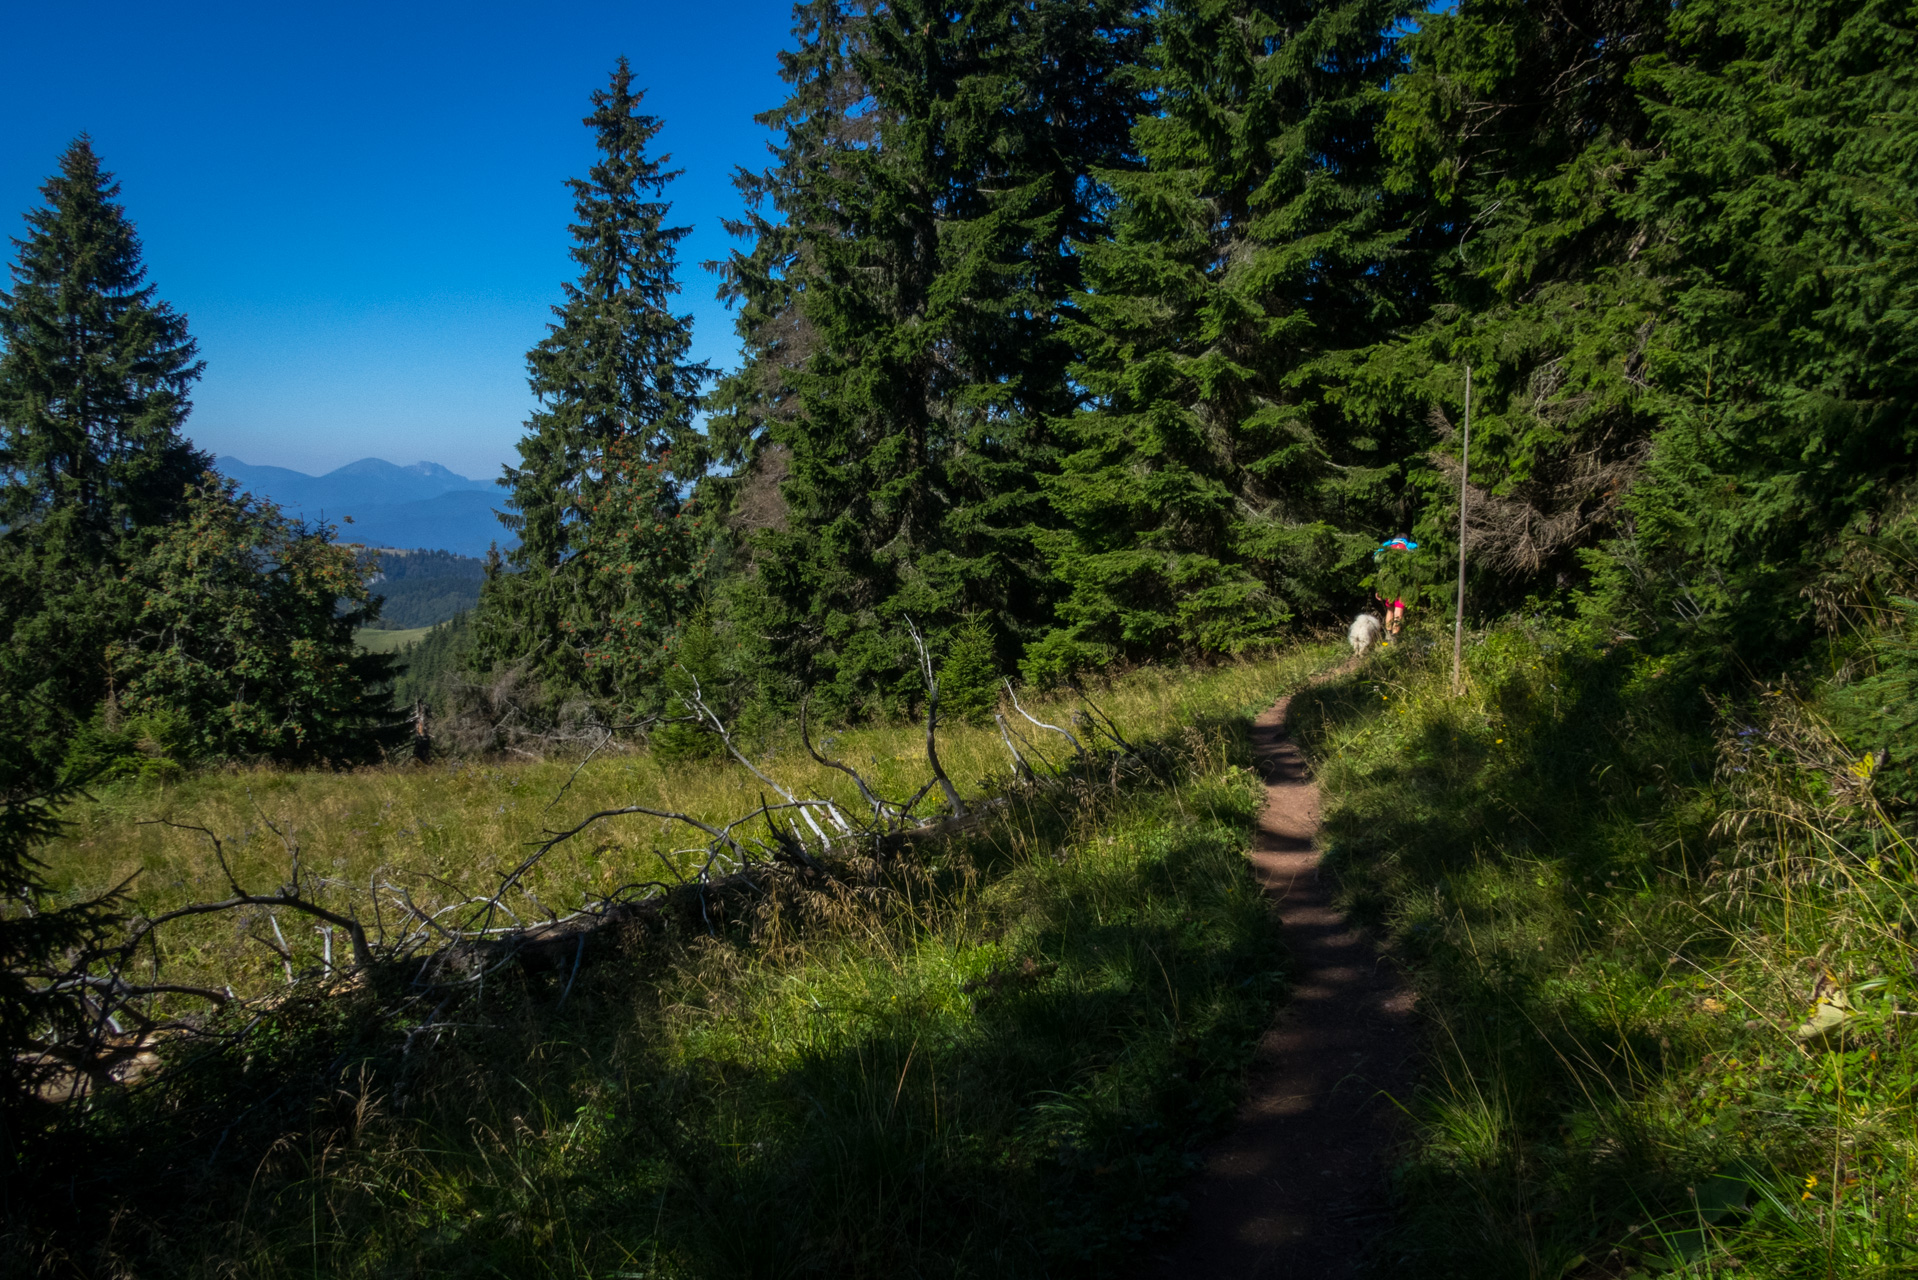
[1113, 333]
[423, 588]
[148, 614]
[1075, 335]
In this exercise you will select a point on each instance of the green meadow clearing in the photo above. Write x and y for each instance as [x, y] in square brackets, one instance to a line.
[992, 1054]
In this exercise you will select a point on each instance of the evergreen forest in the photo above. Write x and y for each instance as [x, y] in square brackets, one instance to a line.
[1091, 354]
[1126, 335]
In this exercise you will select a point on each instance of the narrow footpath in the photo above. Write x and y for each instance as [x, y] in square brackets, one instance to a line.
[1296, 1189]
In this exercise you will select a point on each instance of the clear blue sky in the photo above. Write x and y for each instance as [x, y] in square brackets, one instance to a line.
[360, 207]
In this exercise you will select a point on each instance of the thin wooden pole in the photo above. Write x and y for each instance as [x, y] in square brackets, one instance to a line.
[1464, 469]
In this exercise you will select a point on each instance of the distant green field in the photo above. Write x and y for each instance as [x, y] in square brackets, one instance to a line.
[374, 641]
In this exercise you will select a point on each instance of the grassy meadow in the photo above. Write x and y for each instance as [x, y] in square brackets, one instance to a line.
[450, 830]
[1664, 942]
[993, 1056]
[379, 640]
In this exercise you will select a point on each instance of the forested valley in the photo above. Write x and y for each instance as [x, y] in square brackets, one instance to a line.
[820, 851]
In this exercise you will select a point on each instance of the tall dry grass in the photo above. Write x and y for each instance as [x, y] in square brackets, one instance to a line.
[1664, 943]
[992, 1056]
[444, 832]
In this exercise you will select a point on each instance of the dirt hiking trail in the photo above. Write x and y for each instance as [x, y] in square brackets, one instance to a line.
[1297, 1187]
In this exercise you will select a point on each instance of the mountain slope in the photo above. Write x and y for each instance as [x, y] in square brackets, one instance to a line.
[383, 504]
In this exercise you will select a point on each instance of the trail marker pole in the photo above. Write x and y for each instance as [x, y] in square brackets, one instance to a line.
[1464, 469]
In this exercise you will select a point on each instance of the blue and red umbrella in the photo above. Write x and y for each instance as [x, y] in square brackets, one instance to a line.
[1394, 544]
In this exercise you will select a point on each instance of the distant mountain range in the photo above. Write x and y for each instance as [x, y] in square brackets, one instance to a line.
[421, 506]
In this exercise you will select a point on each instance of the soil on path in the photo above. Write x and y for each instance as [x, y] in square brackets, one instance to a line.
[1297, 1187]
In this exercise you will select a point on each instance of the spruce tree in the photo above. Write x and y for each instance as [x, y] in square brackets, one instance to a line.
[96, 370]
[1206, 497]
[1778, 182]
[650, 549]
[94, 375]
[1516, 141]
[241, 645]
[613, 368]
[902, 316]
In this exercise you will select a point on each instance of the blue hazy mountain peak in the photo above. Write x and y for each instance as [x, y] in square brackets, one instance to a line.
[430, 473]
[383, 504]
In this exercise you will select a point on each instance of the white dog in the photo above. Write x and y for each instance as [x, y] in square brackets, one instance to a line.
[1364, 633]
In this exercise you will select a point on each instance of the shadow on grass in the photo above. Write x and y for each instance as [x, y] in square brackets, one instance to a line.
[1499, 840]
[999, 1069]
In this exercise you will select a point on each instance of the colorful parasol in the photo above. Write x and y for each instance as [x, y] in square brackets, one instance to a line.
[1394, 544]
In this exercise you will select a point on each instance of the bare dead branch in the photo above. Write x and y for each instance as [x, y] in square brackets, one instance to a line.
[1064, 733]
[932, 724]
[865, 792]
[718, 726]
[288, 897]
[1104, 723]
[1020, 768]
[132, 991]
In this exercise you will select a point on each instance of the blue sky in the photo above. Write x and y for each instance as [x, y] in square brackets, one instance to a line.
[361, 207]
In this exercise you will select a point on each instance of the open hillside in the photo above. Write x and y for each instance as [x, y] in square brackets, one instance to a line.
[989, 1051]
[823, 836]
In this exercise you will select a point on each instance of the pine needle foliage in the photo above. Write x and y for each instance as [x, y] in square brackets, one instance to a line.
[96, 370]
[650, 550]
[1784, 179]
[1203, 499]
[911, 253]
[244, 636]
[613, 368]
[94, 375]
[1514, 140]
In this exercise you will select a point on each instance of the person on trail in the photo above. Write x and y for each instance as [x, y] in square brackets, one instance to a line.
[1393, 611]
[1395, 583]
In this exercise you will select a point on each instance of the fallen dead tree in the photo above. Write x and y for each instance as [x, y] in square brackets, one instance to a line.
[423, 962]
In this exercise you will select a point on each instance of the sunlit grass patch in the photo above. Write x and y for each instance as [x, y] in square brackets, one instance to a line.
[450, 828]
[993, 1055]
[1619, 913]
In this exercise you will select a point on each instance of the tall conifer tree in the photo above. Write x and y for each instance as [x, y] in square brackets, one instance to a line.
[95, 372]
[94, 377]
[612, 369]
[902, 317]
[1516, 140]
[1781, 174]
[1204, 498]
